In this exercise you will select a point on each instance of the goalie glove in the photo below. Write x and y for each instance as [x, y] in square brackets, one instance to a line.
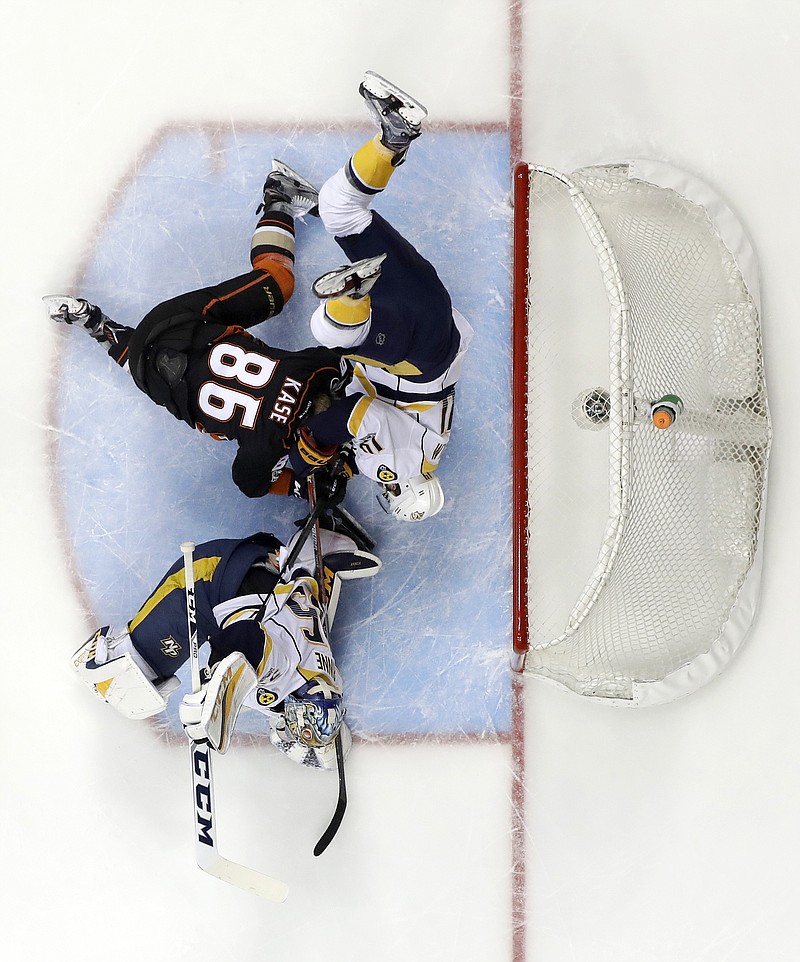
[209, 715]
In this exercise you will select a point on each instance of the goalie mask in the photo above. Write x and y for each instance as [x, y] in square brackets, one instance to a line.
[314, 713]
[414, 500]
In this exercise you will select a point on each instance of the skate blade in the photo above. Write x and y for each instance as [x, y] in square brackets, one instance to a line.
[412, 110]
[335, 282]
[278, 167]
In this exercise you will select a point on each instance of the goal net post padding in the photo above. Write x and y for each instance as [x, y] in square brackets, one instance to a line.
[641, 431]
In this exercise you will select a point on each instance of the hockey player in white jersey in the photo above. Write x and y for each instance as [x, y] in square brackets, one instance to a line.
[269, 645]
[390, 314]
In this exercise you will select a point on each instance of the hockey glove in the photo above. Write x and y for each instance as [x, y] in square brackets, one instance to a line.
[298, 488]
[209, 715]
[331, 487]
[308, 454]
[331, 483]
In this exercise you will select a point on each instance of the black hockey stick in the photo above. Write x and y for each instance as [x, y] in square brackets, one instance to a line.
[309, 526]
[205, 844]
[341, 802]
[348, 525]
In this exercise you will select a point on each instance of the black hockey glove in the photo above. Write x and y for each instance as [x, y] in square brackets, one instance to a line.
[331, 486]
[298, 488]
[331, 479]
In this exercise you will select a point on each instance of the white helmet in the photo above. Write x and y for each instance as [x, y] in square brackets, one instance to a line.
[414, 500]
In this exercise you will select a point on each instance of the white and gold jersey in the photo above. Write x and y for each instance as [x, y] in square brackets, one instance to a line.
[296, 647]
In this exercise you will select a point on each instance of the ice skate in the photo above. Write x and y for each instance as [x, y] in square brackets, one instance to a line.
[68, 310]
[293, 193]
[76, 310]
[355, 280]
[399, 115]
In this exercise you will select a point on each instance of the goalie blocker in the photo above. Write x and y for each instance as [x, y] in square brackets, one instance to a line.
[269, 647]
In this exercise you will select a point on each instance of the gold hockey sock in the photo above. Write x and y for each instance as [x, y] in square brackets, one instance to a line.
[372, 164]
[348, 312]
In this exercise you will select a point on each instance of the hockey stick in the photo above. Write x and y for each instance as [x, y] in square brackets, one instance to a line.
[341, 802]
[352, 528]
[205, 845]
[309, 526]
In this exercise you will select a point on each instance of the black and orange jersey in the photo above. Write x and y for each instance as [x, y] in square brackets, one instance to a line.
[242, 389]
[193, 356]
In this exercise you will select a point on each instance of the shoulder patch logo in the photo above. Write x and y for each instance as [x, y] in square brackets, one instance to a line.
[386, 474]
[266, 697]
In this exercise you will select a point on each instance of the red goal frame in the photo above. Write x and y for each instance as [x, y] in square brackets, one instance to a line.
[519, 409]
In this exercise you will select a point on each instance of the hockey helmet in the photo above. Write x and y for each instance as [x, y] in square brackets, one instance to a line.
[314, 713]
[413, 500]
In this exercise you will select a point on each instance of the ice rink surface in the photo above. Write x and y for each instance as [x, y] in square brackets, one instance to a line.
[130, 497]
[136, 139]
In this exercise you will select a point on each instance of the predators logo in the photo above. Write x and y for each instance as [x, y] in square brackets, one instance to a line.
[265, 697]
[386, 474]
[170, 646]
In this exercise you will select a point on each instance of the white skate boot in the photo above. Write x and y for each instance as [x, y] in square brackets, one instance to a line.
[68, 310]
[76, 310]
[355, 280]
[399, 115]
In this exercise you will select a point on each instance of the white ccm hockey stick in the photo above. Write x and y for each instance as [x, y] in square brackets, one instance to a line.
[205, 825]
[341, 801]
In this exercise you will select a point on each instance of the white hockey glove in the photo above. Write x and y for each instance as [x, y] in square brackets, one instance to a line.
[210, 714]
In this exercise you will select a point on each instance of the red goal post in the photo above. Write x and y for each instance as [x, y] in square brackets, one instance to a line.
[519, 374]
[641, 431]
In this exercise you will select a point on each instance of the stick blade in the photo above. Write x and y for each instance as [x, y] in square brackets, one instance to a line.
[331, 830]
[243, 877]
[341, 803]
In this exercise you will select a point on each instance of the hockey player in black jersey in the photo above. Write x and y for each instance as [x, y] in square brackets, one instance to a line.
[194, 356]
[269, 648]
[389, 313]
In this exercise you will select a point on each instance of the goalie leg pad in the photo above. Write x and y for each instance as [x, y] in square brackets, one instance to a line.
[120, 680]
[339, 552]
[342, 561]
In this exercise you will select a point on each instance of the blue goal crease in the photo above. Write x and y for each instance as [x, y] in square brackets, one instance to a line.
[424, 646]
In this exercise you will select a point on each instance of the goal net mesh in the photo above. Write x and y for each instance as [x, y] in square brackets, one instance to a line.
[640, 543]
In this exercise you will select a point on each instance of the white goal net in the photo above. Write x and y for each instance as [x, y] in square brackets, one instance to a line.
[642, 431]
